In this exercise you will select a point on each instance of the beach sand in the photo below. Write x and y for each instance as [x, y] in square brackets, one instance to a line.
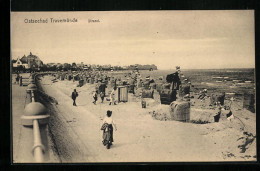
[140, 137]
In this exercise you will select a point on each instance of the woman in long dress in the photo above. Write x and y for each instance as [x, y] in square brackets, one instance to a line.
[107, 127]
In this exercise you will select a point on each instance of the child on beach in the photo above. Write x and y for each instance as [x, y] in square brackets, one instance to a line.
[95, 97]
[112, 98]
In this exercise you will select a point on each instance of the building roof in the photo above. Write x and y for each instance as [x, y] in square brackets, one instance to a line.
[17, 60]
[25, 59]
[31, 56]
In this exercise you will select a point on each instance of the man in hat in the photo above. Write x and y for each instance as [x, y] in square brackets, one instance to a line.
[74, 95]
[112, 98]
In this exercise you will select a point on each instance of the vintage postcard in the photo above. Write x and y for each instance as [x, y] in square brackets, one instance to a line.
[133, 86]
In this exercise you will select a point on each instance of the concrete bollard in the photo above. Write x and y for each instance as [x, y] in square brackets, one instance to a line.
[34, 114]
[35, 110]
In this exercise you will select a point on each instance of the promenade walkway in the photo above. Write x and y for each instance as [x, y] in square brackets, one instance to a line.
[22, 137]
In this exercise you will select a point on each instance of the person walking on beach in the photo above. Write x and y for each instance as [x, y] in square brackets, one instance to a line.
[112, 98]
[95, 97]
[21, 80]
[17, 79]
[102, 96]
[74, 96]
[107, 128]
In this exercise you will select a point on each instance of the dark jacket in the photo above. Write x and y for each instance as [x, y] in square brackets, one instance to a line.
[74, 95]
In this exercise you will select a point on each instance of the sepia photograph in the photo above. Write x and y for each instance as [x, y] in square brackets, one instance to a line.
[133, 86]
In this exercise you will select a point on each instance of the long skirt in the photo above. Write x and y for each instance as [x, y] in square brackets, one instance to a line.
[108, 135]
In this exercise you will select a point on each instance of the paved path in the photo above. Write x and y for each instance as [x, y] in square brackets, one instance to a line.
[23, 136]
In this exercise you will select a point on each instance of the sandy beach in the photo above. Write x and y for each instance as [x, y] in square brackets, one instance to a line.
[184, 83]
[140, 137]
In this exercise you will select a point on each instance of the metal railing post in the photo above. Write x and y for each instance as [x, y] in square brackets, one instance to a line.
[38, 147]
[32, 95]
[34, 115]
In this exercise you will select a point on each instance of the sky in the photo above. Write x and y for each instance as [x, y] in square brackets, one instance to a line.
[190, 39]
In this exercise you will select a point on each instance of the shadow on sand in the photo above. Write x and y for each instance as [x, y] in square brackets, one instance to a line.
[116, 145]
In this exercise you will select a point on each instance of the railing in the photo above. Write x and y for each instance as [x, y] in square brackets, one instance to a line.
[35, 114]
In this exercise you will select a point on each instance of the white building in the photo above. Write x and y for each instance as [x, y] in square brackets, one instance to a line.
[18, 62]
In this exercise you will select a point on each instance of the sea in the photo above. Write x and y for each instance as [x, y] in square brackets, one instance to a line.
[237, 81]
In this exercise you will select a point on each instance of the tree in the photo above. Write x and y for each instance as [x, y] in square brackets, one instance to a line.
[73, 65]
[53, 68]
[44, 67]
[20, 68]
[69, 67]
[59, 67]
[66, 66]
